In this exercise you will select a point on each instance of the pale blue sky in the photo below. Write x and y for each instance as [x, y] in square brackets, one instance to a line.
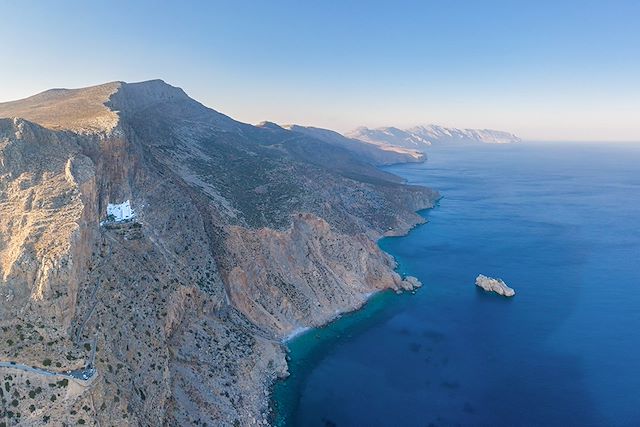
[560, 70]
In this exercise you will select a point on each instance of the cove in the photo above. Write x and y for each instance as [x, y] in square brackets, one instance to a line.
[556, 222]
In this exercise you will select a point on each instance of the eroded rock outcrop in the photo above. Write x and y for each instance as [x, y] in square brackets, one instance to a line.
[306, 275]
[498, 286]
[46, 212]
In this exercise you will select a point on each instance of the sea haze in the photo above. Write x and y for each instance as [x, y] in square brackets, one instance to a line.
[559, 223]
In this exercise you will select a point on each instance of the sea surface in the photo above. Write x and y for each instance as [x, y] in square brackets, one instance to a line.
[561, 225]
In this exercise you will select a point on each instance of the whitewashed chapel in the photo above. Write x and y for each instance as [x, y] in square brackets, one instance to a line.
[121, 212]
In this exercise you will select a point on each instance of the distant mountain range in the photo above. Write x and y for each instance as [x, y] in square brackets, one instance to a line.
[421, 137]
[379, 153]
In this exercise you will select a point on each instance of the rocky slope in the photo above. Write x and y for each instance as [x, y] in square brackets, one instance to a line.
[377, 154]
[242, 235]
[421, 137]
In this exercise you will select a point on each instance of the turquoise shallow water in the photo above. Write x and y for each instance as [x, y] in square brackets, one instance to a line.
[559, 223]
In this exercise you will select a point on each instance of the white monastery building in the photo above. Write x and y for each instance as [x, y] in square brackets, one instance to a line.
[121, 212]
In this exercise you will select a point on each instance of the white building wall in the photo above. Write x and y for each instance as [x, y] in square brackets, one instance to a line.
[120, 212]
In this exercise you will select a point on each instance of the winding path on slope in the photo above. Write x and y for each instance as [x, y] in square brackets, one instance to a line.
[83, 375]
[79, 374]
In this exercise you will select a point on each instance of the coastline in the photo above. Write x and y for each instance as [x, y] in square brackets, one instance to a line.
[295, 333]
[310, 345]
[432, 358]
[312, 339]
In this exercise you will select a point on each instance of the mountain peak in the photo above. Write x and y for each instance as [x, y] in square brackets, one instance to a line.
[269, 125]
[93, 108]
[133, 97]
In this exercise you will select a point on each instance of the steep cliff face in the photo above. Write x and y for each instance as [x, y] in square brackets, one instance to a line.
[47, 213]
[304, 275]
[242, 235]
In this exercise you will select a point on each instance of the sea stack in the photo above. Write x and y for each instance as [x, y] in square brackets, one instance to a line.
[494, 285]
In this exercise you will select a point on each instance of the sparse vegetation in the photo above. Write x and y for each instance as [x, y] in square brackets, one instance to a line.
[133, 289]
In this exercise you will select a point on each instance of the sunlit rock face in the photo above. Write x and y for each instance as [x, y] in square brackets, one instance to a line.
[241, 235]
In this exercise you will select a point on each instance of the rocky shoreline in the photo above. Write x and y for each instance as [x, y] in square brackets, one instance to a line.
[414, 283]
[246, 234]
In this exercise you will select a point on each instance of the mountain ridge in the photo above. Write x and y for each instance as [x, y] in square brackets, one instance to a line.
[421, 137]
[242, 235]
[379, 154]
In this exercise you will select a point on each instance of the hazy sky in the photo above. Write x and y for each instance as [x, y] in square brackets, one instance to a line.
[559, 70]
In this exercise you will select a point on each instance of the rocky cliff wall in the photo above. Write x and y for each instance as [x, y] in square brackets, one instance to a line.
[242, 236]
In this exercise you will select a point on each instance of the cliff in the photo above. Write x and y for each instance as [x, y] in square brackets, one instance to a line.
[242, 235]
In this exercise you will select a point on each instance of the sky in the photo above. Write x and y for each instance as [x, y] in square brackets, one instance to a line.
[545, 70]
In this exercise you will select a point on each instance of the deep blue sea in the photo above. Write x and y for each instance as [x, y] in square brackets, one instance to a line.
[561, 225]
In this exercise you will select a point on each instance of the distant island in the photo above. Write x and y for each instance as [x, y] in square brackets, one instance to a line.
[421, 137]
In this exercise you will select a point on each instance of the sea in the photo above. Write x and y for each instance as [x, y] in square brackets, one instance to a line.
[559, 223]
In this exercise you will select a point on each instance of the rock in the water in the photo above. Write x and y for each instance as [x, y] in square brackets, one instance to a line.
[494, 285]
[413, 282]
